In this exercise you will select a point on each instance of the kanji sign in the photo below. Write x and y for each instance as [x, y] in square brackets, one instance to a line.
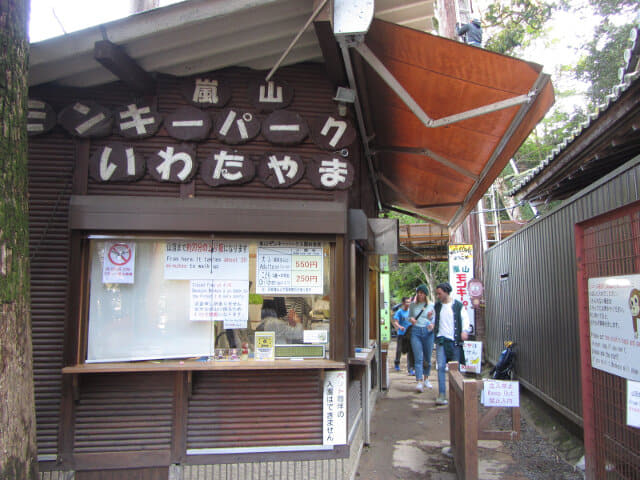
[331, 132]
[174, 163]
[188, 123]
[501, 393]
[289, 268]
[40, 117]
[285, 128]
[460, 272]
[86, 119]
[234, 126]
[280, 170]
[206, 260]
[225, 167]
[219, 300]
[271, 95]
[206, 91]
[119, 261]
[116, 162]
[137, 121]
[331, 172]
[334, 408]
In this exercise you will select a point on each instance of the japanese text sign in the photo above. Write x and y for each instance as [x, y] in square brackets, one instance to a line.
[460, 272]
[206, 259]
[614, 320]
[472, 356]
[334, 408]
[501, 393]
[119, 261]
[290, 268]
[226, 300]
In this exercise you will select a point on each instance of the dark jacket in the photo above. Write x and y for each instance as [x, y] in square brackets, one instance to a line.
[473, 32]
[457, 320]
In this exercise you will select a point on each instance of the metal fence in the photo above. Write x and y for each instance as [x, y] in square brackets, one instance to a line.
[607, 246]
[531, 292]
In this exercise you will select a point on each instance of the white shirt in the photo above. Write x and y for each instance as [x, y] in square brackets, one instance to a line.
[446, 321]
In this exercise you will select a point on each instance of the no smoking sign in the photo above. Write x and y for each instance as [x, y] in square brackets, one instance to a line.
[119, 261]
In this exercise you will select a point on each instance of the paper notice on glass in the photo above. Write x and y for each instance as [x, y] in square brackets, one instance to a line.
[633, 404]
[265, 344]
[226, 300]
[235, 323]
[334, 408]
[501, 393]
[119, 261]
[472, 356]
[315, 336]
[290, 268]
[206, 259]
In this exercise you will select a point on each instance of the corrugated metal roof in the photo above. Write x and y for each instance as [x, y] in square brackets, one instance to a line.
[199, 36]
[628, 75]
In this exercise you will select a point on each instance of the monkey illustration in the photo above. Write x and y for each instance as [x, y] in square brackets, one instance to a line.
[634, 306]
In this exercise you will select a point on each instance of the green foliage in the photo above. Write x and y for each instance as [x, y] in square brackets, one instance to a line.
[515, 23]
[255, 299]
[603, 58]
[403, 282]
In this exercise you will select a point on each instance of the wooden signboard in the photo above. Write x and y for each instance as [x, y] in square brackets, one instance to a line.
[280, 170]
[206, 91]
[41, 118]
[234, 126]
[137, 121]
[86, 119]
[284, 127]
[226, 167]
[331, 172]
[116, 163]
[269, 96]
[174, 163]
[189, 124]
[332, 132]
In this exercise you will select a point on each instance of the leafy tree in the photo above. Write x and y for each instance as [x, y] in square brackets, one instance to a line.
[18, 458]
[512, 25]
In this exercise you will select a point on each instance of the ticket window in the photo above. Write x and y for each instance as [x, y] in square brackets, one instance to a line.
[161, 298]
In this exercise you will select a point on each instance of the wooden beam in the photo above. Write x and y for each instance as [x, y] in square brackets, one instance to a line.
[114, 58]
[439, 205]
[329, 45]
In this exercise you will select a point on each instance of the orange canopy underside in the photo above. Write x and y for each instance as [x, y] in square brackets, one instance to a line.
[446, 77]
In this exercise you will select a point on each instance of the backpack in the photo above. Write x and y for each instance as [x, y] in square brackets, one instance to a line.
[506, 363]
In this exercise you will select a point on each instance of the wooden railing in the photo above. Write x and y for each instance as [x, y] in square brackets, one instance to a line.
[466, 426]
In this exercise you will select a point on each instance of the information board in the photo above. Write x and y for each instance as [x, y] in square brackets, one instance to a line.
[226, 300]
[206, 259]
[501, 393]
[460, 272]
[614, 320]
[289, 268]
[334, 403]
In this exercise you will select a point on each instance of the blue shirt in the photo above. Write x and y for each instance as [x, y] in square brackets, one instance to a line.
[422, 320]
[402, 316]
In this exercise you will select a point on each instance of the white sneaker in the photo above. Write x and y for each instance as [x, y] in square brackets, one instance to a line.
[427, 384]
[420, 387]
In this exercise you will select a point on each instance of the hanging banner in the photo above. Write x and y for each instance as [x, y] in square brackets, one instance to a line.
[226, 300]
[206, 259]
[460, 272]
[614, 322]
[334, 408]
[290, 267]
[119, 261]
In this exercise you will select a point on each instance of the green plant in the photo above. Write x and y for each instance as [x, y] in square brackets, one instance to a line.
[255, 299]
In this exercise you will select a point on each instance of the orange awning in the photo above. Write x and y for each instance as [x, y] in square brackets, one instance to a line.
[442, 172]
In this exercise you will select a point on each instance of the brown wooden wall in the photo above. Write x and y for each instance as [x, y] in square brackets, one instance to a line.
[115, 414]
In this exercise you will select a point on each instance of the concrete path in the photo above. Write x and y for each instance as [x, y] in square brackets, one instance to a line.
[409, 431]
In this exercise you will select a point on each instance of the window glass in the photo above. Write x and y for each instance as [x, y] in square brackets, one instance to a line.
[155, 298]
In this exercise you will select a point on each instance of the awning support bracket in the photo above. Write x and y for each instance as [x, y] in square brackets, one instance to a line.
[429, 122]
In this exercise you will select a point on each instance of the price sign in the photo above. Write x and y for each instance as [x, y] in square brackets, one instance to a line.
[290, 268]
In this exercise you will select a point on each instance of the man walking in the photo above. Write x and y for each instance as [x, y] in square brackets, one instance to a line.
[401, 322]
[451, 329]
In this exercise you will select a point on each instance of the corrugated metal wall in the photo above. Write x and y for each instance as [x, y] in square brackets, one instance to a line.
[531, 292]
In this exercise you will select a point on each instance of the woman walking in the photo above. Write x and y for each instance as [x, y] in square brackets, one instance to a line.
[421, 317]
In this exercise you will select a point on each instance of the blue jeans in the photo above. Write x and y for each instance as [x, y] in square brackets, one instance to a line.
[441, 357]
[422, 346]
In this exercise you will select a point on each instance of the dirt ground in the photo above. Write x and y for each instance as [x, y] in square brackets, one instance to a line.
[409, 433]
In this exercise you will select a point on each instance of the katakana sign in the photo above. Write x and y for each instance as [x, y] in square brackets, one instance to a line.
[189, 124]
[207, 91]
[460, 272]
[225, 167]
[137, 121]
[331, 132]
[285, 128]
[234, 126]
[280, 170]
[174, 163]
[116, 163]
[41, 118]
[86, 119]
[331, 172]
[271, 95]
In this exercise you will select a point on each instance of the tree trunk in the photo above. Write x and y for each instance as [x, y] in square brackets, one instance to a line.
[18, 456]
[447, 19]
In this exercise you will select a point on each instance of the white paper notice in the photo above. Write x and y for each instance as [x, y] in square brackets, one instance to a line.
[315, 336]
[633, 403]
[290, 268]
[334, 403]
[472, 356]
[119, 262]
[614, 321]
[206, 259]
[226, 300]
[499, 393]
[265, 344]
[236, 323]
